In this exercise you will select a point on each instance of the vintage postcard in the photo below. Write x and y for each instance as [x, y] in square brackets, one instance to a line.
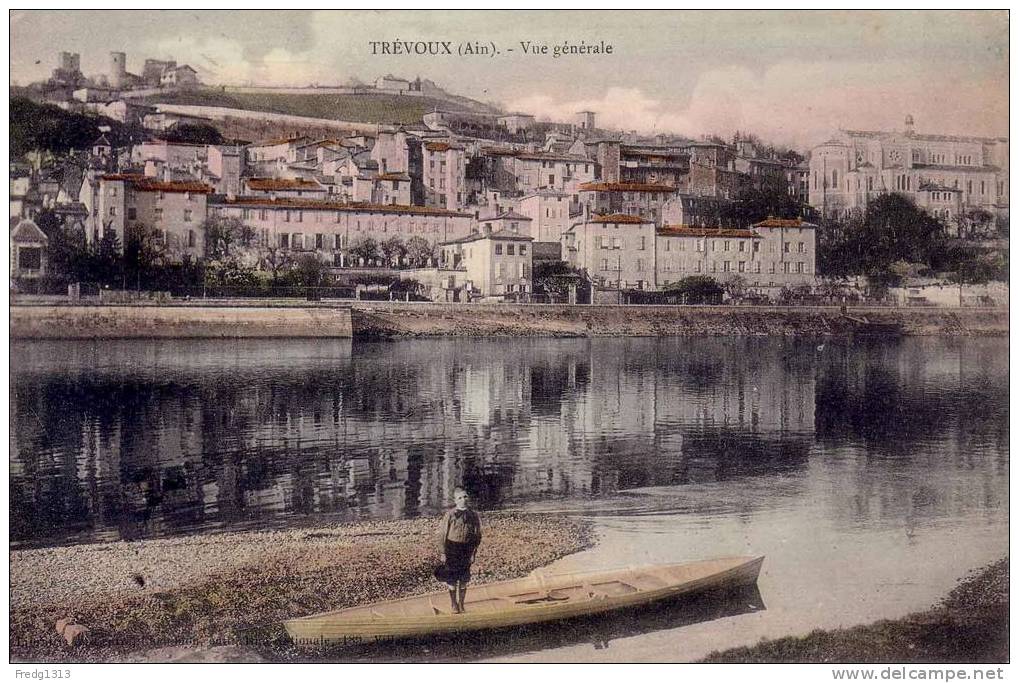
[510, 336]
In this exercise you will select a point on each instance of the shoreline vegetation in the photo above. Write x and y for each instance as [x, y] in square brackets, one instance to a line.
[970, 625]
[230, 592]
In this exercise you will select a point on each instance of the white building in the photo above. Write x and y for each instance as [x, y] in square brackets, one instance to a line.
[444, 175]
[616, 250]
[549, 211]
[946, 175]
[496, 263]
[331, 228]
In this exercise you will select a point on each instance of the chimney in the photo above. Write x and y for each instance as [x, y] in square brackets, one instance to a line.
[908, 130]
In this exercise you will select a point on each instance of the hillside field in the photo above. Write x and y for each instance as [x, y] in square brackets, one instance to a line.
[369, 108]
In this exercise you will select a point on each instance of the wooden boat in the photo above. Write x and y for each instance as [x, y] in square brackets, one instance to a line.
[533, 599]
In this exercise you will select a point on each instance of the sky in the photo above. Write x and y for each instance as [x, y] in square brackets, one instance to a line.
[792, 77]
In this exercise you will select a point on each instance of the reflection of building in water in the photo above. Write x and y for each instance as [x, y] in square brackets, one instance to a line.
[390, 431]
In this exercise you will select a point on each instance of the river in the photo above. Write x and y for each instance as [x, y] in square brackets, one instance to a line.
[871, 474]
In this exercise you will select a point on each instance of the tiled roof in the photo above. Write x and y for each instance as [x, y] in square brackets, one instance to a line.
[953, 167]
[696, 231]
[268, 184]
[626, 187]
[546, 156]
[784, 223]
[27, 231]
[920, 136]
[279, 141]
[143, 183]
[293, 203]
[499, 235]
[393, 176]
[500, 151]
[440, 146]
[511, 216]
[618, 218]
[150, 185]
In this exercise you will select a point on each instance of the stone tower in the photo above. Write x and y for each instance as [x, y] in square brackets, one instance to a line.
[118, 69]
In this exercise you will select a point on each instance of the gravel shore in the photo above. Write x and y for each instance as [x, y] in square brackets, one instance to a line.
[236, 588]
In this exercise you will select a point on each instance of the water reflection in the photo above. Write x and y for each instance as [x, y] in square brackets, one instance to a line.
[135, 439]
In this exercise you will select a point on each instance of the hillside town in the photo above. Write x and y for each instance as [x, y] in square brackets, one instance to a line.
[474, 206]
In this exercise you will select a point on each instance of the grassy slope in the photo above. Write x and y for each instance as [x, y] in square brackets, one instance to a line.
[368, 108]
[970, 625]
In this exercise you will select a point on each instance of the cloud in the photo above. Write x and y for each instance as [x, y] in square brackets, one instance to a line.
[801, 103]
[224, 60]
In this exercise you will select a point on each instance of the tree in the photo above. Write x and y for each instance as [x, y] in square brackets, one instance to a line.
[891, 229]
[193, 134]
[222, 233]
[103, 263]
[735, 288]
[276, 260]
[419, 251]
[555, 278]
[309, 271]
[752, 205]
[697, 289]
[145, 248]
[365, 248]
[392, 248]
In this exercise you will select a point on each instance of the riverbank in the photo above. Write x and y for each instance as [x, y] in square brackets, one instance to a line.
[970, 625]
[233, 590]
[395, 321]
[391, 320]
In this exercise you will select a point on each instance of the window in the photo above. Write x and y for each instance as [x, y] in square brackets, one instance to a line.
[187, 215]
[191, 238]
[742, 266]
[336, 242]
[667, 243]
[700, 245]
[498, 249]
[771, 267]
[509, 250]
[725, 245]
[159, 214]
[604, 264]
[132, 213]
[113, 211]
[499, 268]
[263, 214]
[742, 245]
[757, 246]
[29, 258]
[285, 240]
[523, 249]
[640, 265]
[617, 242]
[785, 247]
[297, 241]
[757, 266]
[725, 266]
[697, 267]
[801, 248]
[520, 270]
[799, 267]
[320, 240]
[643, 242]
